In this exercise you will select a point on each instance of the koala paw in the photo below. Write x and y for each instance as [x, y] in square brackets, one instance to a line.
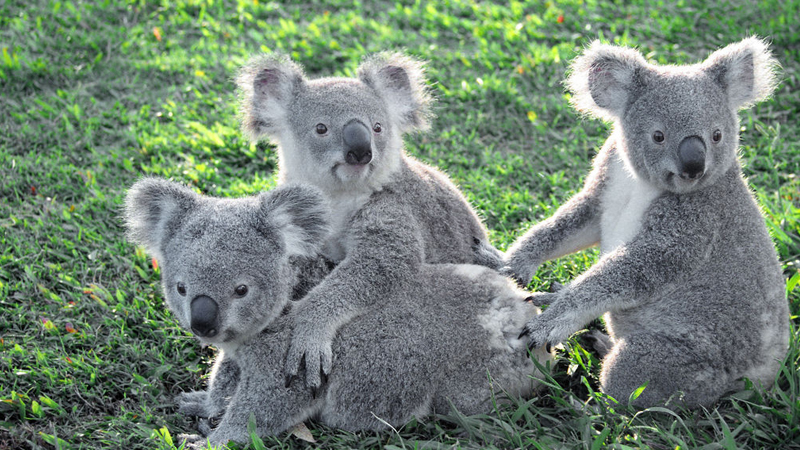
[547, 330]
[206, 426]
[317, 355]
[523, 278]
[541, 298]
[486, 255]
[194, 403]
[193, 441]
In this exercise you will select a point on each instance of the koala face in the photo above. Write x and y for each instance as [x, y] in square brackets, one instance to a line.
[219, 273]
[678, 125]
[680, 133]
[341, 134]
[225, 262]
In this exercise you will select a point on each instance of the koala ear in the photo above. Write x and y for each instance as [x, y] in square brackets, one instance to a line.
[299, 213]
[152, 206]
[267, 84]
[604, 78]
[746, 70]
[400, 81]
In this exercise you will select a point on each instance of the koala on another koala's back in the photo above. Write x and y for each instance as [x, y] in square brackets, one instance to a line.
[449, 335]
[688, 278]
[390, 212]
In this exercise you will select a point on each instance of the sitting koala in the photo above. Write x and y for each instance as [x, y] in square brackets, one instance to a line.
[688, 278]
[345, 136]
[229, 271]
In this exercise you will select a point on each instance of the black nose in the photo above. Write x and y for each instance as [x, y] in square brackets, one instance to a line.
[692, 158]
[204, 316]
[357, 143]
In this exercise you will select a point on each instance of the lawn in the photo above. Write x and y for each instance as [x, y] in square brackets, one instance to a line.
[96, 94]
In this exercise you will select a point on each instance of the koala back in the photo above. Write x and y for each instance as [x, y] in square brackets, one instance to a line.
[425, 364]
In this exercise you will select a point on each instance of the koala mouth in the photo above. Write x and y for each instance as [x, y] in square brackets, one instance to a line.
[681, 184]
[348, 172]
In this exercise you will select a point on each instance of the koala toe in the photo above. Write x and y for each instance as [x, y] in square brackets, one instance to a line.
[521, 280]
[541, 298]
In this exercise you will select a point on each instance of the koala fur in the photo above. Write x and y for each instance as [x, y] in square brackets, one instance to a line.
[688, 278]
[389, 211]
[447, 336]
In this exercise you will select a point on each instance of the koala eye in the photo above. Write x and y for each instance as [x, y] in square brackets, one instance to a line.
[181, 289]
[240, 290]
[377, 127]
[658, 137]
[321, 128]
[717, 136]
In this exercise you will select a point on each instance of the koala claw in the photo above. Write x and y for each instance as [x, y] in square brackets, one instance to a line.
[318, 360]
[545, 330]
[510, 273]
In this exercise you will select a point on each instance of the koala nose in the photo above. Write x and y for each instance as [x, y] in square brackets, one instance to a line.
[692, 158]
[204, 316]
[357, 143]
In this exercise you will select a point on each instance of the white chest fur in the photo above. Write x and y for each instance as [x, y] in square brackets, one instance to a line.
[625, 201]
[343, 207]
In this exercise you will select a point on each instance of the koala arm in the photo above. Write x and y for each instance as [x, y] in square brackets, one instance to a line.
[632, 274]
[574, 226]
[260, 393]
[385, 250]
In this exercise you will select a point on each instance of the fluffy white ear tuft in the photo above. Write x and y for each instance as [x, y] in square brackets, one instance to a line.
[400, 81]
[267, 84]
[300, 214]
[603, 78]
[746, 70]
[153, 207]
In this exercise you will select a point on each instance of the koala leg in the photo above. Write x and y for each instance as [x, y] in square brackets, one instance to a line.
[670, 366]
[260, 392]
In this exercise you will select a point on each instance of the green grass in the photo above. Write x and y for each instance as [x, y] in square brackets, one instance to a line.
[96, 94]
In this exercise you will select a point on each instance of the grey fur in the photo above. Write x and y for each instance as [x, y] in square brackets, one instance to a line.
[688, 278]
[388, 215]
[446, 335]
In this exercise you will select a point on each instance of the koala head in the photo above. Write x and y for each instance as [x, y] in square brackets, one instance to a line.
[341, 134]
[225, 262]
[678, 125]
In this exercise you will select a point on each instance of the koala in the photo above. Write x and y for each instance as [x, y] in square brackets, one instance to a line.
[688, 278]
[230, 270]
[389, 211]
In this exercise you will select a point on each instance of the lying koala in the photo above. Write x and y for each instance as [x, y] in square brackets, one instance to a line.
[688, 278]
[229, 268]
